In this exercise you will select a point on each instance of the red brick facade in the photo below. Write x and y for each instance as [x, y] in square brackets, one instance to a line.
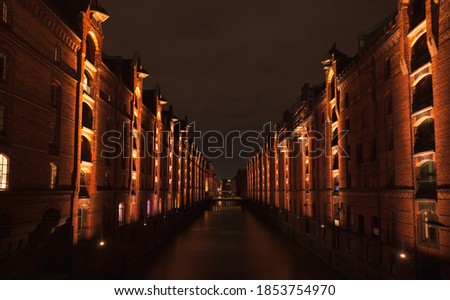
[66, 208]
[382, 211]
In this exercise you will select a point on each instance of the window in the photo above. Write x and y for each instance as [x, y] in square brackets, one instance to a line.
[391, 177]
[2, 67]
[107, 180]
[88, 118]
[430, 232]
[2, 118]
[90, 50]
[388, 102]
[149, 208]
[4, 172]
[82, 224]
[121, 216]
[423, 94]
[4, 12]
[57, 54]
[387, 69]
[87, 83]
[335, 138]
[417, 13]
[86, 150]
[361, 230]
[55, 96]
[53, 176]
[375, 228]
[335, 162]
[426, 180]
[420, 54]
[333, 88]
[52, 137]
[424, 137]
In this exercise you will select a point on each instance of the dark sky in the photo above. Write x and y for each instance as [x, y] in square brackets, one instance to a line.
[236, 64]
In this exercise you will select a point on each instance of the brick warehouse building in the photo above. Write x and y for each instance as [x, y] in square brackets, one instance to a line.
[360, 171]
[93, 171]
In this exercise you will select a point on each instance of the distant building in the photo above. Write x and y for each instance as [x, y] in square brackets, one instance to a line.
[359, 168]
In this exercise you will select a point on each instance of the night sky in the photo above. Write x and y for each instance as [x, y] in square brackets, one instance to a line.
[236, 64]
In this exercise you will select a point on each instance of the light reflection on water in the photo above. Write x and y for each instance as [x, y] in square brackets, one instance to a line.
[228, 242]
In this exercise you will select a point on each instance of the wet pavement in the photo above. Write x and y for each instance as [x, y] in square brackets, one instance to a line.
[229, 243]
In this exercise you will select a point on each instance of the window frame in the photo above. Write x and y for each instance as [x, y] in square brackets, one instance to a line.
[4, 172]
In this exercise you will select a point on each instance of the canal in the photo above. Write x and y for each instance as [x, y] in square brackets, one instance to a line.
[229, 243]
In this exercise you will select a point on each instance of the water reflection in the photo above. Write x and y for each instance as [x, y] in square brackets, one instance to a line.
[230, 243]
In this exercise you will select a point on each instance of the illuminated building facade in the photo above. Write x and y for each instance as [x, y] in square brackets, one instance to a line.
[366, 184]
[93, 171]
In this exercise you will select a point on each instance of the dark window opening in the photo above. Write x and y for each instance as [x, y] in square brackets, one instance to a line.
[424, 138]
[86, 154]
[420, 54]
[335, 162]
[88, 118]
[423, 94]
[426, 180]
[90, 50]
[417, 13]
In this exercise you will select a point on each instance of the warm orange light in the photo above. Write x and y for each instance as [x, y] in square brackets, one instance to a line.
[402, 255]
[102, 243]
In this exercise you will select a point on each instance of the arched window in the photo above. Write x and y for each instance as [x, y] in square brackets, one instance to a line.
[336, 162]
[420, 54]
[6, 224]
[4, 172]
[2, 119]
[149, 208]
[424, 138]
[334, 117]
[121, 215]
[86, 154]
[333, 88]
[426, 180]
[335, 138]
[417, 13]
[423, 94]
[84, 193]
[53, 176]
[88, 119]
[90, 49]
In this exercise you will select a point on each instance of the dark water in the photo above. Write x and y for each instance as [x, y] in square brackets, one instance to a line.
[228, 242]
